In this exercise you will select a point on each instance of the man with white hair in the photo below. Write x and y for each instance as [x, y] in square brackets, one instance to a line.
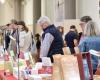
[52, 42]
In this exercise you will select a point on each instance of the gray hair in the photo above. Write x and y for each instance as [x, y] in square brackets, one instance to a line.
[91, 29]
[43, 20]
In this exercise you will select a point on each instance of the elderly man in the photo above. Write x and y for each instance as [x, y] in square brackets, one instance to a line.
[52, 42]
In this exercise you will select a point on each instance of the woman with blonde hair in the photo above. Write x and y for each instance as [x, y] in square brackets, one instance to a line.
[91, 29]
[91, 40]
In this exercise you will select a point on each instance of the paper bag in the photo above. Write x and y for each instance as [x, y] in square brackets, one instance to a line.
[57, 75]
[66, 51]
[77, 51]
[98, 71]
[69, 66]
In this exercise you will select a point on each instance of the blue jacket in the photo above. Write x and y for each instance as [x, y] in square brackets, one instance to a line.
[91, 43]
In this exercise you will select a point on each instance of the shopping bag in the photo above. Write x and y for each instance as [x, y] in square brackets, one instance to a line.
[69, 66]
[66, 51]
[98, 71]
[57, 73]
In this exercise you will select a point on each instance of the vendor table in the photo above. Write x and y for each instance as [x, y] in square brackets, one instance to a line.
[7, 77]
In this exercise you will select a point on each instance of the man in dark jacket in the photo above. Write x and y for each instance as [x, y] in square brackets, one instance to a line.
[71, 39]
[52, 42]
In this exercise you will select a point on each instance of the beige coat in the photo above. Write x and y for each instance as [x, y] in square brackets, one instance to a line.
[25, 40]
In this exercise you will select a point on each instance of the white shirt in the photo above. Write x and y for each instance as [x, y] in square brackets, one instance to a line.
[45, 45]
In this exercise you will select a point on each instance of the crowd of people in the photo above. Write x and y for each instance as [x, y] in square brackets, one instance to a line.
[53, 40]
[16, 36]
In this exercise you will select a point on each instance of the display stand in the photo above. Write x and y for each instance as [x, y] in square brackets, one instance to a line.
[18, 51]
[80, 58]
[4, 48]
[7, 64]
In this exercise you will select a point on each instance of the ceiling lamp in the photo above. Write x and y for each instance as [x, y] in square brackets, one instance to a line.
[2, 1]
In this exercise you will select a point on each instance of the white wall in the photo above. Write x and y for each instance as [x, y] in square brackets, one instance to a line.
[87, 7]
[8, 11]
[2, 14]
[27, 12]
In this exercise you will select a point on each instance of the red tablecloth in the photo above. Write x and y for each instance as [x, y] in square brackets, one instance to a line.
[8, 77]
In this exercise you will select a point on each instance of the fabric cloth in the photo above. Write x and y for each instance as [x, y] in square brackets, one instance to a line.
[52, 42]
[88, 43]
[69, 38]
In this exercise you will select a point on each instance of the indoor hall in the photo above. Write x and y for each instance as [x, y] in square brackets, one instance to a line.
[49, 39]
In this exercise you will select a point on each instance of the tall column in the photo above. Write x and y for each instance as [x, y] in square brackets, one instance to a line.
[27, 13]
[17, 9]
[43, 6]
[50, 9]
[2, 14]
[70, 9]
[36, 14]
[59, 10]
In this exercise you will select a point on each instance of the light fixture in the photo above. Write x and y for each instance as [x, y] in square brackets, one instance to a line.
[2, 1]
